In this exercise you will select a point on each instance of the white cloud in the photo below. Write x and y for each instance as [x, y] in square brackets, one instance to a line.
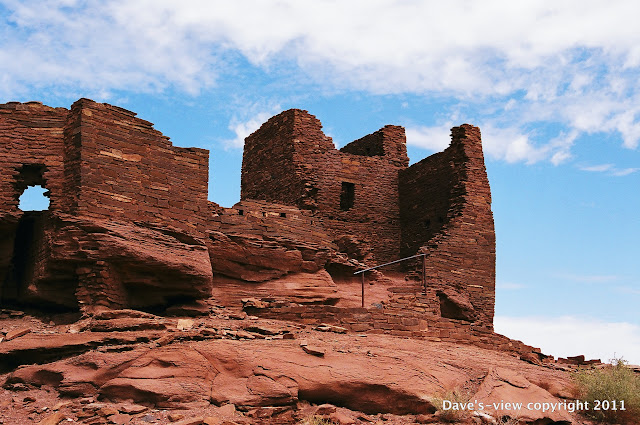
[572, 63]
[506, 143]
[572, 336]
[625, 171]
[432, 138]
[242, 126]
[510, 144]
[560, 147]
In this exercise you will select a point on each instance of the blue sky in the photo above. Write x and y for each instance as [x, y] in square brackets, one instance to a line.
[552, 85]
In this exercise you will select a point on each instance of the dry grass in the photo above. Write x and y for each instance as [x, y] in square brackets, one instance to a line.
[315, 420]
[545, 385]
[506, 420]
[615, 382]
[451, 415]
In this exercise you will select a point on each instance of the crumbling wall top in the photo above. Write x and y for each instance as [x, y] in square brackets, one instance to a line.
[389, 142]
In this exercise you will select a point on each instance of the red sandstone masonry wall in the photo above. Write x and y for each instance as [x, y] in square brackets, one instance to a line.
[265, 219]
[289, 160]
[30, 134]
[390, 141]
[269, 170]
[375, 217]
[99, 161]
[130, 171]
[446, 202]
[72, 161]
[404, 323]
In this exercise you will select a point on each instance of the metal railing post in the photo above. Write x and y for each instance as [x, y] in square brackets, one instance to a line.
[424, 273]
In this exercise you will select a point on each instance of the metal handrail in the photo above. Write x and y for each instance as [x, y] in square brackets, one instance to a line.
[389, 263]
[424, 271]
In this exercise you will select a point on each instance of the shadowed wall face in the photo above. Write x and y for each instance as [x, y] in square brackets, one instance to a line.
[445, 204]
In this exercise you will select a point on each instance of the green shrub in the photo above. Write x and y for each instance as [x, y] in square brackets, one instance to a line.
[615, 382]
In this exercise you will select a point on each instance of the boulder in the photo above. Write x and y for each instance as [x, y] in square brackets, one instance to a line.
[253, 258]
[300, 288]
[98, 264]
[505, 392]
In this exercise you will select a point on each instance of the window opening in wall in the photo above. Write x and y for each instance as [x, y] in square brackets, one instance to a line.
[240, 212]
[347, 196]
[34, 198]
[283, 215]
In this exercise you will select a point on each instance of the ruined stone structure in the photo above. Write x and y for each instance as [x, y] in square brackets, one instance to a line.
[125, 209]
[129, 223]
[440, 206]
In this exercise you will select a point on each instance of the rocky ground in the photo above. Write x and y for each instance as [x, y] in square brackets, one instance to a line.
[130, 367]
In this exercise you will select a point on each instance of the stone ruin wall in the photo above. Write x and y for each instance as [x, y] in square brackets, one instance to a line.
[129, 171]
[32, 153]
[440, 206]
[290, 161]
[446, 213]
[101, 161]
[101, 166]
[112, 177]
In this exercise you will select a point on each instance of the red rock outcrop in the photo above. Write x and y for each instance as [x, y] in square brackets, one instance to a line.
[527, 402]
[250, 364]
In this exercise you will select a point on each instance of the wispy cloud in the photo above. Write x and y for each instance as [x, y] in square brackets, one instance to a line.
[587, 278]
[610, 169]
[510, 286]
[629, 290]
[572, 336]
[598, 168]
[507, 143]
[625, 171]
